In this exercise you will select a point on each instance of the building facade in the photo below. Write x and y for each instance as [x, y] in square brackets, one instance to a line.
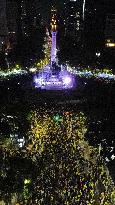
[11, 13]
[110, 31]
[73, 18]
[3, 23]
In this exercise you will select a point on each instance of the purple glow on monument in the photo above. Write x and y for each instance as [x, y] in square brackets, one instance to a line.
[54, 82]
[67, 80]
[53, 49]
[53, 76]
[54, 33]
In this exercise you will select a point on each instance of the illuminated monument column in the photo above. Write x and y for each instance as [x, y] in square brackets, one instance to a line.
[54, 33]
[53, 49]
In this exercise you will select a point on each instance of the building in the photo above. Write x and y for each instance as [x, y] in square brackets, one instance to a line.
[21, 18]
[11, 13]
[3, 23]
[109, 50]
[71, 28]
[94, 26]
[73, 18]
[110, 31]
[29, 16]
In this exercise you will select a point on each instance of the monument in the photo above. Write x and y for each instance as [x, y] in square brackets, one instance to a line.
[54, 76]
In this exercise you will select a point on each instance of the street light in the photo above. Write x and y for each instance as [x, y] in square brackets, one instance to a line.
[98, 54]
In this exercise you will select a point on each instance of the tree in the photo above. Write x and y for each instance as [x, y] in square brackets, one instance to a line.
[3, 63]
[69, 170]
[58, 166]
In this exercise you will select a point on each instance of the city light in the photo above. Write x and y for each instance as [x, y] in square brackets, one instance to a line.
[67, 80]
[46, 80]
[56, 135]
[57, 90]
[98, 54]
[110, 44]
[33, 70]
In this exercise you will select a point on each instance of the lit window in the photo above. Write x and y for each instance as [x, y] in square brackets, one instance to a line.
[108, 40]
[110, 44]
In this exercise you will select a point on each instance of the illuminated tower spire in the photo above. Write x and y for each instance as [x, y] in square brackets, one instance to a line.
[54, 33]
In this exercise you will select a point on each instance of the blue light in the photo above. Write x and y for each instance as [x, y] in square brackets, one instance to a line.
[47, 80]
[67, 80]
